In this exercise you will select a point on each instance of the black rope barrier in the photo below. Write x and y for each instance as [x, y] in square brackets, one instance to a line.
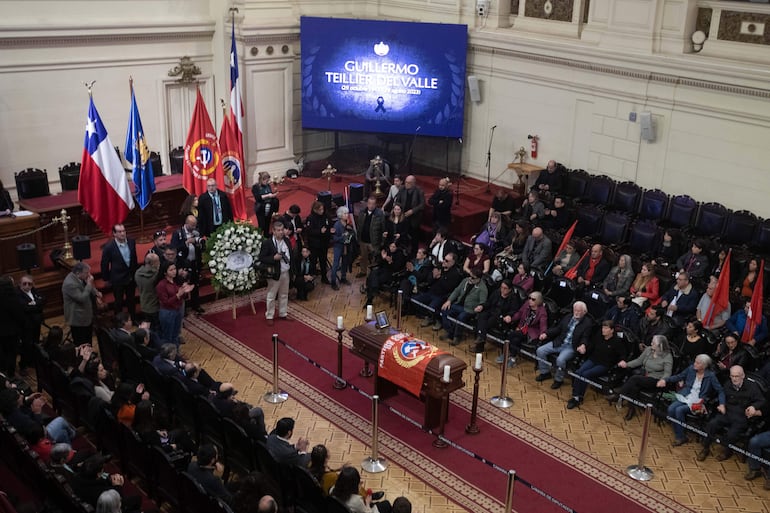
[486, 461]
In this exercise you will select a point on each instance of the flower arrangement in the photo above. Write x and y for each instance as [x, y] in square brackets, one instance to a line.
[230, 254]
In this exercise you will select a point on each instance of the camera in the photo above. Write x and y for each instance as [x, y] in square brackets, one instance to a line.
[482, 7]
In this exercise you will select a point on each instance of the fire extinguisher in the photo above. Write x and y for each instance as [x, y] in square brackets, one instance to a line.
[533, 145]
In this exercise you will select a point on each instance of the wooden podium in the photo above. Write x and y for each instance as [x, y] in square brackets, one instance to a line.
[523, 170]
[368, 342]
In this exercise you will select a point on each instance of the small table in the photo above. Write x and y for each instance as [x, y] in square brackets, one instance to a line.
[523, 170]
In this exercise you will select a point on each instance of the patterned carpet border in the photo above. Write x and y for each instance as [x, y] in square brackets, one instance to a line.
[410, 459]
[448, 483]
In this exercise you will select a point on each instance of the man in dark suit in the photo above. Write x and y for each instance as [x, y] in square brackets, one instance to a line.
[167, 362]
[33, 303]
[282, 450]
[202, 470]
[121, 333]
[370, 224]
[412, 201]
[119, 264]
[214, 209]
[187, 243]
[566, 338]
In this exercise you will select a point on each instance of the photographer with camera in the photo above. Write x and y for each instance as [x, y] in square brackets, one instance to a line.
[275, 256]
[187, 243]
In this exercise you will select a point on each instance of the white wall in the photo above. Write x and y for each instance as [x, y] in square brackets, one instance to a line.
[575, 91]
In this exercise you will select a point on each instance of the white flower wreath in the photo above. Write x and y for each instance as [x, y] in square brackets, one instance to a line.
[230, 255]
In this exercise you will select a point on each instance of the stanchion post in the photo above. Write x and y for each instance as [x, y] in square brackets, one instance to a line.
[639, 471]
[276, 396]
[367, 372]
[509, 491]
[339, 383]
[473, 428]
[439, 442]
[374, 464]
[399, 304]
[502, 400]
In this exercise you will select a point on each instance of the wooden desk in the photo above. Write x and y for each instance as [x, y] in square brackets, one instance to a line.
[162, 211]
[367, 344]
[10, 227]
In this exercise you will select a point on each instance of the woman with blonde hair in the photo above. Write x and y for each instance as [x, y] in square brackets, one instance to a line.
[646, 286]
[265, 201]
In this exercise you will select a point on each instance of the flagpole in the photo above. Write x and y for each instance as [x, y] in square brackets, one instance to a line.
[143, 239]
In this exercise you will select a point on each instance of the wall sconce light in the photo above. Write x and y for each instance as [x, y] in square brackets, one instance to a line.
[698, 38]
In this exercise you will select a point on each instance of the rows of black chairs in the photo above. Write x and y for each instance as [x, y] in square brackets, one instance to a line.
[29, 468]
[619, 211]
[197, 415]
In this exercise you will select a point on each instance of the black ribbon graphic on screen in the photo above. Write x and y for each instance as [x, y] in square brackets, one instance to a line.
[380, 105]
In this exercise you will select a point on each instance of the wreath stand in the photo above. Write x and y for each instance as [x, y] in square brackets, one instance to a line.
[232, 304]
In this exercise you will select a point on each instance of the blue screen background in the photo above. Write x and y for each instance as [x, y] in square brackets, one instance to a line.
[383, 76]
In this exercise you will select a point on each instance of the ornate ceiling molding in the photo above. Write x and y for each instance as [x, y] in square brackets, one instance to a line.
[74, 37]
[665, 78]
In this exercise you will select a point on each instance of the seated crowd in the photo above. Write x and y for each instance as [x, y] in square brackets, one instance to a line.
[642, 326]
[645, 327]
[114, 392]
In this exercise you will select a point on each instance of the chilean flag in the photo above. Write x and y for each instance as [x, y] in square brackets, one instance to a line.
[103, 190]
[231, 140]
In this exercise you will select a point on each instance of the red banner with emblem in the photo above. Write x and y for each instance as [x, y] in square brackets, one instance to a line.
[403, 360]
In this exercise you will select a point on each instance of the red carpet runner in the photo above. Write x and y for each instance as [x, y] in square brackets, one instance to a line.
[572, 478]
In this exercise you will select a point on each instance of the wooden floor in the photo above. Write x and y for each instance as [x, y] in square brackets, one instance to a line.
[595, 428]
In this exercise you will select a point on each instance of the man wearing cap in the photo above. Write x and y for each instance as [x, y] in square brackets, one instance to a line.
[119, 263]
[159, 240]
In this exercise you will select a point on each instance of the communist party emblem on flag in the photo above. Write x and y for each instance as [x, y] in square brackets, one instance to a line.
[201, 152]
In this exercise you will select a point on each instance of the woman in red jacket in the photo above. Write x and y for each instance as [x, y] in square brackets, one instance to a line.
[170, 297]
[645, 291]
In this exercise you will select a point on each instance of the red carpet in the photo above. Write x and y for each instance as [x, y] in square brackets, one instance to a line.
[572, 478]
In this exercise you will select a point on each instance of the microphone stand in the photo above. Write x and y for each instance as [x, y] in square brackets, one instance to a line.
[408, 160]
[489, 157]
[459, 171]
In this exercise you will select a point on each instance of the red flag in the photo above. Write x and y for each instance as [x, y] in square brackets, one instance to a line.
[231, 140]
[720, 300]
[754, 317]
[233, 171]
[103, 189]
[572, 273]
[201, 152]
[565, 240]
